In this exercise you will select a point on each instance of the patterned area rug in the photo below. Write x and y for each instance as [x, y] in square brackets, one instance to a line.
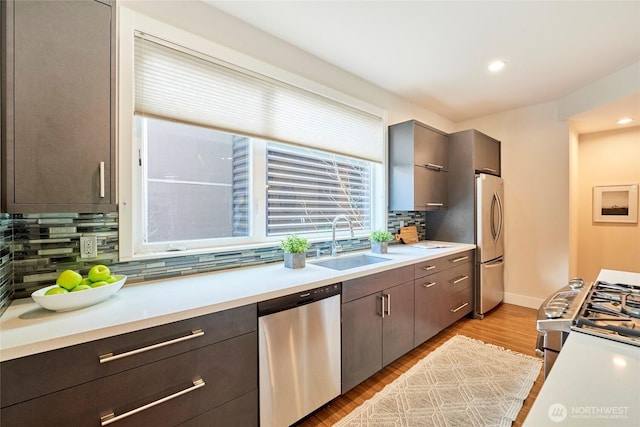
[464, 382]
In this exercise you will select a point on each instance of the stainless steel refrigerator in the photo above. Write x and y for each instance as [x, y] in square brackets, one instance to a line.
[490, 242]
[476, 215]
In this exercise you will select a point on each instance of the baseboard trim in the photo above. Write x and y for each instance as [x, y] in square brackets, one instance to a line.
[523, 300]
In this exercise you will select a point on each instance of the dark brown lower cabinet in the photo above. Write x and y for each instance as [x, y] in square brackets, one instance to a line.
[442, 298]
[386, 315]
[199, 371]
[376, 330]
[167, 392]
[430, 299]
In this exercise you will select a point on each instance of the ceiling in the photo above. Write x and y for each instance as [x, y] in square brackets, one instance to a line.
[435, 53]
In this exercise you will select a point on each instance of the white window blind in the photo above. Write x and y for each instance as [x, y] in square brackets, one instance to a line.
[306, 190]
[178, 84]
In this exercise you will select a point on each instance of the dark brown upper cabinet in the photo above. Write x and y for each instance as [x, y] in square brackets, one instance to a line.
[58, 86]
[418, 167]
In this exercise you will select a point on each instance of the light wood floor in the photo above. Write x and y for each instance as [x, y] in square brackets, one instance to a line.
[508, 326]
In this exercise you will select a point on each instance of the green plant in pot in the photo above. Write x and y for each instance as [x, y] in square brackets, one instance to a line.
[380, 241]
[295, 248]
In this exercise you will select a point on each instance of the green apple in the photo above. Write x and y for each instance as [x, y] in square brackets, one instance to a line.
[112, 279]
[98, 273]
[80, 288]
[86, 281]
[100, 283]
[55, 291]
[68, 279]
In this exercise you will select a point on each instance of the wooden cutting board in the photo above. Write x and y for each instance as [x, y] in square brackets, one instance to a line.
[408, 234]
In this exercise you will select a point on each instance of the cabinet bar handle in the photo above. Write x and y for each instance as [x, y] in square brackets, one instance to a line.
[381, 305]
[112, 418]
[102, 180]
[430, 284]
[462, 258]
[429, 267]
[435, 204]
[110, 357]
[434, 166]
[388, 305]
[453, 310]
[490, 170]
[460, 279]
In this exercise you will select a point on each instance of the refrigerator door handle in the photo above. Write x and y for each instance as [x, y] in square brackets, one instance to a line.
[494, 229]
[500, 216]
[493, 264]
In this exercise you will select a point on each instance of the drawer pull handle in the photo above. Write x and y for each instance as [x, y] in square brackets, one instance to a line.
[430, 284]
[453, 310]
[462, 258]
[460, 279]
[490, 170]
[110, 357]
[429, 267]
[434, 166]
[435, 204]
[112, 418]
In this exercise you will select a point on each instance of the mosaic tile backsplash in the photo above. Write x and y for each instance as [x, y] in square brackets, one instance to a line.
[37, 247]
[6, 272]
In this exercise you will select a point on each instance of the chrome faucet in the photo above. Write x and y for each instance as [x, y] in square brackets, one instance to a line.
[335, 246]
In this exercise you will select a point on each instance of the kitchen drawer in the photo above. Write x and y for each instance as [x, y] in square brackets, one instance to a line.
[458, 278]
[459, 305]
[228, 370]
[367, 285]
[29, 377]
[240, 412]
[436, 265]
[429, 267]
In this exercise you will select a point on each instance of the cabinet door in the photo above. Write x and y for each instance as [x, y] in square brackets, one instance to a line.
[62, 108]
[361, 340]
[397, 324]
[430, 148]
[486, 154]
[431, 190]
[429, 314]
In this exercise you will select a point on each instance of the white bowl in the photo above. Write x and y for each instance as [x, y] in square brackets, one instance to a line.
[74, 300]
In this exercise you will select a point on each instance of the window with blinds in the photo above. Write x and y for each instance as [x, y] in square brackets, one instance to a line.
[223, 156]
[307, 189]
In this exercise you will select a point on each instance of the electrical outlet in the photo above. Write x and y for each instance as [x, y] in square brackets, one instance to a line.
[88, 246]
[401, 223]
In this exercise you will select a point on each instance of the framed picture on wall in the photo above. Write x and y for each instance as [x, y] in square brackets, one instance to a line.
[615, 203]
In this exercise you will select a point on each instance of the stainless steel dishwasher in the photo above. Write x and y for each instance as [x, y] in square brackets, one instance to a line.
[299, 354]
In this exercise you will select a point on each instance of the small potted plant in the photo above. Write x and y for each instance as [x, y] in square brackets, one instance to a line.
[380, 241]
[295, 248]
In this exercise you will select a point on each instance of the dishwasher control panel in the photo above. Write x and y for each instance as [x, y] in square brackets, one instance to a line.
[301, 298]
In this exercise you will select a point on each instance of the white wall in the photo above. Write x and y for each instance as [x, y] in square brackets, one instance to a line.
[535, 159]
[607, 158]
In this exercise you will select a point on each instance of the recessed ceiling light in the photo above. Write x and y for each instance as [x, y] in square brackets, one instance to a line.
[624, 121]
[496, 66]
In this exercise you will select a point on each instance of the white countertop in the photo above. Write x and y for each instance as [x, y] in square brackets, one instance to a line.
[594, 382]
[26, 328]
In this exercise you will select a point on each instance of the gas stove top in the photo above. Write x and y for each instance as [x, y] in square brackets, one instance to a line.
[611, 310]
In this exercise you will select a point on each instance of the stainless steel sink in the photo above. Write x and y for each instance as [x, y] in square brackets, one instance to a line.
[347, 262]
